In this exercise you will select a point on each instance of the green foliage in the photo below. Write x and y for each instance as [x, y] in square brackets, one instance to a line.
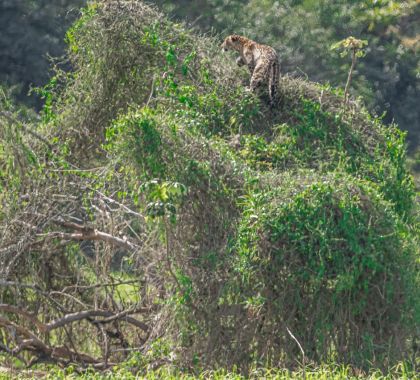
[333, 372]
[244, 227]
[138, 137]
[351, 44]
[163, 197]
[315, 132]
[303, 31]
[311, 247]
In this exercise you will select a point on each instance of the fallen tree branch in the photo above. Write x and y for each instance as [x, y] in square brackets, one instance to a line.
[26, 340]
[23, 313]
[87, 314]
[89, 233]
[64, 352]
[34, 340]
[68, 319]
[43, 352]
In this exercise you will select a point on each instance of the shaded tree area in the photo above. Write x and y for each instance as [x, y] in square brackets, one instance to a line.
[31, 31]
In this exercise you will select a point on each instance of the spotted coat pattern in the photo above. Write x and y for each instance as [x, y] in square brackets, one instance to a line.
[262, 62]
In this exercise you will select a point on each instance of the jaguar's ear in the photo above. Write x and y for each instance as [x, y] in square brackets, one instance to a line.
[235, 38]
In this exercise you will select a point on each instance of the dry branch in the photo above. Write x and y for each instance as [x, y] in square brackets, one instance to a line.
[33, 339]
[70, 318]
[89, 233]
[87, 314]
[28, 341]
[123, 206]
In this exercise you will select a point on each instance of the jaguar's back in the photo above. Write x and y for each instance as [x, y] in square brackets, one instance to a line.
[261, 60]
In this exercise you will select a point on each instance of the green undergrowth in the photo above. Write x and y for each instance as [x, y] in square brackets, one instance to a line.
[287, 234]
[332, 372]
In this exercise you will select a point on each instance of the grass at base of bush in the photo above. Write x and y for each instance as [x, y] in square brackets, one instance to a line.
[324, 372]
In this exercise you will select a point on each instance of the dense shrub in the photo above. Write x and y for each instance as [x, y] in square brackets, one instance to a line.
[317, 255]
[245, 233]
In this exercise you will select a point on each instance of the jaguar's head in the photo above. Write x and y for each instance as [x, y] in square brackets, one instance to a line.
[231, 42]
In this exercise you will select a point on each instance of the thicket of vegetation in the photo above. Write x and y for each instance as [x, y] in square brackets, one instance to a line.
[158, 207]
[301, 31]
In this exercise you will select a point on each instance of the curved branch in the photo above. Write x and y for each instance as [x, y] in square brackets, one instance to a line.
[33, 339]
[70, 318]
[25, 314]
[89, 233]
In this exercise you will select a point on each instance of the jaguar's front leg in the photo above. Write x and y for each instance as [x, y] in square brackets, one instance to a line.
[240, 61]
[258, 76]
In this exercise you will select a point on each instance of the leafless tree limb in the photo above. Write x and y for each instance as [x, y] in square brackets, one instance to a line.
[24, 332]
[28, 341]
[23, 313]
[69, 318]
[124, 207]
[89, 233]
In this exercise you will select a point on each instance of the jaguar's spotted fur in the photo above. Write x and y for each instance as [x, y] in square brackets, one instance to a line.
[262, 62]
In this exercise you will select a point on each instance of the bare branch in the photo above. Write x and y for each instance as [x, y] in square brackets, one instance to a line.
[25, 314]
[26, 333]
[124, 207]
[64, 352]
[89, 233]
[98, 285]
[70, 318]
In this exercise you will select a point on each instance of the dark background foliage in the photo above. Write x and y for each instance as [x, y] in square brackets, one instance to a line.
[30, 31]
